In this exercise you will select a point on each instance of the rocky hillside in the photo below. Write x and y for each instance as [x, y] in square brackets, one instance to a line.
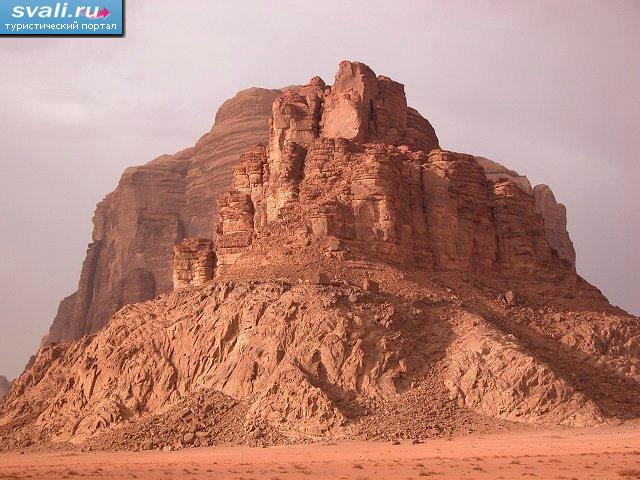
[362, 283]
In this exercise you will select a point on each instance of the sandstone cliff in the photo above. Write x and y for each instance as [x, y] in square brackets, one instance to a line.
[362, 283]
[553, 213]
[341, 167]
[173, 197]
[155, 206]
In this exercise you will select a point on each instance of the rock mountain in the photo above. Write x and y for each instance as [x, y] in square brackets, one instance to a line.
[352, 280]
[153, 207]
[175, 196]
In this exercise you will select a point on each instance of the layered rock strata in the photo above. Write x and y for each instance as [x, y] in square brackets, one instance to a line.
[364, 283]
[553, 213]
[194, 261]
[153, 207]
[173, 197]
[340, 167]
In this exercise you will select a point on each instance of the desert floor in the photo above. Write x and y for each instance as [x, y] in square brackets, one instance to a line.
[604, 453]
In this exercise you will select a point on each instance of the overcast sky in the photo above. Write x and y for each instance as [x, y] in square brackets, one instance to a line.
[548, 88]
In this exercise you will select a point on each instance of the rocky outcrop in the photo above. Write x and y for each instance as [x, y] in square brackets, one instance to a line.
[498, 173]
[554, 214]
[194, 261]
[327, 174]
[555, 223]
[155, 206]
[363, 107]
[129, 259]
[522, 245]
[5, 385]
[363, 281]
[240, 123]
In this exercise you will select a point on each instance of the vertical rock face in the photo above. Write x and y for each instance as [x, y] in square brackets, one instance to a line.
[404, 203]
[154, 207]
[436, 210]
[194, 260]
[130, 257]
[365, 108]
[458, 212]
[240, 123]
[341, 169]
[555, 223]
[554, 214]
[522, 245]
[360, 106]
[4, 387]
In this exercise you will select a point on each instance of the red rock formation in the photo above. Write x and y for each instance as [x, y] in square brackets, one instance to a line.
[554, 214]
[129, 259]
[522, 245]
[155, 206]
[365, 287]
[498, 173]
[365, 108]
[173, 197]
[240, 123]
[459, 215]
[555, 223]
[434, 209]
[194, 261]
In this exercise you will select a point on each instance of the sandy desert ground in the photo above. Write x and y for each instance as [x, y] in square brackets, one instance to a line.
[602, 453]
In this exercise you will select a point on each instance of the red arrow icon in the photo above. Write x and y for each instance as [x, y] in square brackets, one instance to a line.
[103, 13]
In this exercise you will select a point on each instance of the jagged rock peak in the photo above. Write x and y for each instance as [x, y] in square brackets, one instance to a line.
[359, 106]
[342, 167]
[316, 81]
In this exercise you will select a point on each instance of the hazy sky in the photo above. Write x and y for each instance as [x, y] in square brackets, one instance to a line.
[548, 88]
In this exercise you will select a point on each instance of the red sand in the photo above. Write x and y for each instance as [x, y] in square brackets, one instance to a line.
[596, 453]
